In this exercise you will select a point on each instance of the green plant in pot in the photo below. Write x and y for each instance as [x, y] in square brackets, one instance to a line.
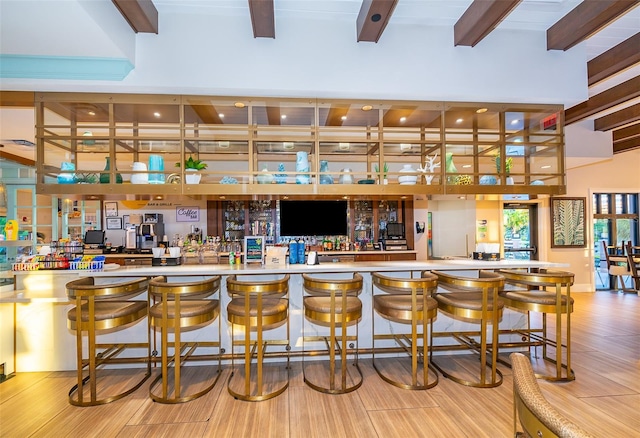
[191, 168]
[385, 169]
[508, 163]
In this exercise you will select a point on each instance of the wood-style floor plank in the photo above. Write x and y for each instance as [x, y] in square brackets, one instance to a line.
[603, 399]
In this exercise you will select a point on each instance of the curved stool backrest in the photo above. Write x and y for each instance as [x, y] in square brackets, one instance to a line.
[536, 415]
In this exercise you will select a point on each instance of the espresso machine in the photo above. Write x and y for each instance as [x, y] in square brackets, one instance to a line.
[150, 232]
[131, 233]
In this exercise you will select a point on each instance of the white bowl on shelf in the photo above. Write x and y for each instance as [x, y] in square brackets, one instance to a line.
[407, 179]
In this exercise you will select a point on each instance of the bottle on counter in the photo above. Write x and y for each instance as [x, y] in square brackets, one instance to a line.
[232, 258]
[293, 251]
[301, 249]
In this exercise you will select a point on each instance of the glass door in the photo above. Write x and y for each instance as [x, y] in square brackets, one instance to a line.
[520, 231]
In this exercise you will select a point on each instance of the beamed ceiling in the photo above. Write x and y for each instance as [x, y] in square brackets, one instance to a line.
[477, 21]
[614, 109]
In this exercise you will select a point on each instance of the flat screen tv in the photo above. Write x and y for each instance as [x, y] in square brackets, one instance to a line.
[313, 218]
[94, 237]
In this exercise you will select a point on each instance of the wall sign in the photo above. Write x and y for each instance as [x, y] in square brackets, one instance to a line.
[187, 214]
[254, 249]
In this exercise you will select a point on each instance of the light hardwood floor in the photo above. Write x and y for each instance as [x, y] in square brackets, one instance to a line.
[604, 398]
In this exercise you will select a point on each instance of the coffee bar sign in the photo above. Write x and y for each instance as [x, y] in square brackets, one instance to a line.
[187, 214]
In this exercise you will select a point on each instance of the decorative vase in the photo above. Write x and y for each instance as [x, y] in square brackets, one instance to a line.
[265, 178]
[488, 180]
[302, 165]
[105, 177]
[67, 178]
[139, 178]
[408, 179]
[346, 177]
[191, 176]
[156, 162]
[324, 167]
[281, 178]
[450, 168]
[509, 181]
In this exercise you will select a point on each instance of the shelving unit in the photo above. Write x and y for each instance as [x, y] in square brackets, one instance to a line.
[250, 146]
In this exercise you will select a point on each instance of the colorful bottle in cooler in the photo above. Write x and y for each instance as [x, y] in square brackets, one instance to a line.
[293, 252]
[301, 248]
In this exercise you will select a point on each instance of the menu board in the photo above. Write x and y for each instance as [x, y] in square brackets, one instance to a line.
[254, 249]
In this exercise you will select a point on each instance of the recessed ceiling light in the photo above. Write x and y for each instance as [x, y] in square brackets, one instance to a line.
[515, 121]
[345, 197]
[466, 166]
[284, 116]
[459, 120]
[239, 105]
[367, 108]
[344, 117]
[517, 140]
[92, 113]
[462, 197]
[221, 115]
[545, 167]
[403, 119]
[482, 110]
[223, 197]
[156, 114]
[285, 197]
[159, 197]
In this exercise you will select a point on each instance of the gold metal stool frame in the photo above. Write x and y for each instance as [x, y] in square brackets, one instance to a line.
[334, 303]
[543, 302]
[104, 307]
[407, 301]
[487, 309]
[182, 305]
[247, 308]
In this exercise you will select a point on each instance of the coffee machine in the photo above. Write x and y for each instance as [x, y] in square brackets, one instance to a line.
[149, 232]
[131, 233]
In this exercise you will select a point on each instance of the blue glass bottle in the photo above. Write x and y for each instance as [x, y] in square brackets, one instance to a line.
[301, 248]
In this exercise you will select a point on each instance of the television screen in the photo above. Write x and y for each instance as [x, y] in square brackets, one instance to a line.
[94, 237]
[313, 218]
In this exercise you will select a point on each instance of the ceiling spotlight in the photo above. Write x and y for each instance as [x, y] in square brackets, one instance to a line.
[156, 115]
[367, 108]
[344, 117]
[403, 119]
[221, 115]
[92, 113]
[466, 166]
[239, 105]
[284, 116]
[223, 197]
[459, 120]
[482, 110]
[515, 121]
[545, 167]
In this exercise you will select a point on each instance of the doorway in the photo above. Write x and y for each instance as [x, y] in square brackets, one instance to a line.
[520, 231]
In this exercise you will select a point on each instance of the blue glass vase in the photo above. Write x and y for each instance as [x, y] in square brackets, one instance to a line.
[302, 165]
[324, 167]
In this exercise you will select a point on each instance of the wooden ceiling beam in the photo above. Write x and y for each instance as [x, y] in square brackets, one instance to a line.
[619, 118]
[607, 99]
[626, 145]
[632, 131]
[18, 98]
[141, 15]
[262, 18]
[480, 18]
[373, 18]
[614, 60]
[584, 20]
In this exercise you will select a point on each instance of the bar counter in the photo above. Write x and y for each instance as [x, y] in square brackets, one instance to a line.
[39, 304]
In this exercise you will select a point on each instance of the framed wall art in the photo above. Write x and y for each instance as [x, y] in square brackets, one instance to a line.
[568, 226]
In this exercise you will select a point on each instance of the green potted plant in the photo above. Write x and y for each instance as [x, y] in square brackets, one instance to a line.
[191, 168]
[508, 162]
[385, 169]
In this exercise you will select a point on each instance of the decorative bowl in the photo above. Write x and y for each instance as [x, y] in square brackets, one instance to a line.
[407, 179]
[367, 181]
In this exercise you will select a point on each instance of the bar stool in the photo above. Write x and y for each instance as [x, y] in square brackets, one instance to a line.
[473, 299]
[523, 298]
[258, 305]
[408, 301]
[334, 303]
[104, 308]
[179, 307]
